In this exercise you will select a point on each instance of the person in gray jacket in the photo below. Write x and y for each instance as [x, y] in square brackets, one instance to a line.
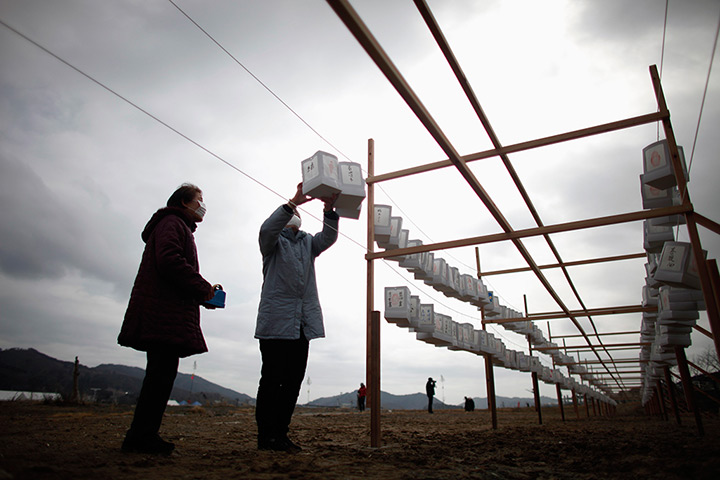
[289, 315]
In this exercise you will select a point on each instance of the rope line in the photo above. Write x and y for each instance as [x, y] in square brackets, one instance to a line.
[662, 55]
[702, 103]
[256, 78]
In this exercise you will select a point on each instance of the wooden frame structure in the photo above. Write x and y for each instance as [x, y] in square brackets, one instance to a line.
[709, 278]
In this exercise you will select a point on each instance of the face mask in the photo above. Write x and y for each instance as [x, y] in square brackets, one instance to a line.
[294, 222]
[201, 210]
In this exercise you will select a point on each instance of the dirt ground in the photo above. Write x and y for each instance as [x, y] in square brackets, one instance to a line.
[75, 442]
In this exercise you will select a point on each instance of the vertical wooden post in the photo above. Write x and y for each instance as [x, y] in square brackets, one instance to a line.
[374, 384]
[370, 360]
[575, 404]
[671, 393]
[661, 401]
[713, 309]
[714, 277]
[593, 405]
[490, 385]
[560, 402]
[534, 375]
[587, 407]
[489, 374]
[557, 385]
[688, 388]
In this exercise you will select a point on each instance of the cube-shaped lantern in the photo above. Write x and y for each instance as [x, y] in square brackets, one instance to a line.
[381, 219]
[427, 265]
[414, 312]
[320, 175]
[397, 305]
[412, 262]
[677, 266]
[394, 237]
[654, 237]
[655, 198]
[402, 243]
[426, 318]
[657, 165]
[352, 190]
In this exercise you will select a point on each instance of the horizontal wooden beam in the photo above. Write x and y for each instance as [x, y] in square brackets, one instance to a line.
[609, 360]
[590, 312]
[707, 223]
[621, 372]
[566, 264]
[536, 231]
[620, 310]
[601, 334]
[608, 349]
[528, 145]
[607, 345]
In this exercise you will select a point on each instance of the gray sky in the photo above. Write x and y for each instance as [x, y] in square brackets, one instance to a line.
[81, 171]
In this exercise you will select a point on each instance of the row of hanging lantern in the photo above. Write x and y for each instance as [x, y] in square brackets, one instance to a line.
[440, 330]
[672, 282]
[432, 327]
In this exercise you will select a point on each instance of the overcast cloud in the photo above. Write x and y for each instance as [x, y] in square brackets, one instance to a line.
[81, 171]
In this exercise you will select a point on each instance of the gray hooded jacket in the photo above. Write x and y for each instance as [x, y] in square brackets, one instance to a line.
[289, 298]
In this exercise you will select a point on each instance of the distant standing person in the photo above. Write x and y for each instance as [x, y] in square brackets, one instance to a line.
[430, 390]
[361, 394]
[289, 315]
[163, 314]
[469, 404]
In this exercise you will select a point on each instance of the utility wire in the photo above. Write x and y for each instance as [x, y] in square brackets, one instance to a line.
[255, 77]
[277, 97]
[702, 104]
[662, 54]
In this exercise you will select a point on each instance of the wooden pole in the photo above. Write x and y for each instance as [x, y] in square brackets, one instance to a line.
[375, 382]
[711, 305]
[661, 401]
[688, 388]
[489, 374]
[558, 390]
[372, 362]
[575, 404]
[534, 375]
[560, 402]
[714, 285]
[671, 393]
[587, 407]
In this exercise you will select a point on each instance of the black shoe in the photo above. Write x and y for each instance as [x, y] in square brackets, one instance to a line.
[278, 445]
[147, 444]
[291, 446]
[274, 444]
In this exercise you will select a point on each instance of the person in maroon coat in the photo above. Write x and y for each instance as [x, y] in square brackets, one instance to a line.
[163, 314]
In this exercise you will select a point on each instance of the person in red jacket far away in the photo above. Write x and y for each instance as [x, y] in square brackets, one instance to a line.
[361, 394]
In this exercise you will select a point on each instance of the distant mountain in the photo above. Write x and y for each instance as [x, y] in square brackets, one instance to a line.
[418, 401]
[30, 370]
[414, 401]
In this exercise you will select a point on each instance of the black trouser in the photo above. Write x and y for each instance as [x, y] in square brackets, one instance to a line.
[160, 376]
[361, 403]
[283, 370]
[430, 399]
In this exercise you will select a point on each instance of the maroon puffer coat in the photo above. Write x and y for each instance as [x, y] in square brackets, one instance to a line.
[164, 308]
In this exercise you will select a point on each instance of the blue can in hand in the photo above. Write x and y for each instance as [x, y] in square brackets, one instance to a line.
[218, 301]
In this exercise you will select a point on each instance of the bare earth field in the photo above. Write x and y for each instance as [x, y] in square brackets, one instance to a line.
[77, 442]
